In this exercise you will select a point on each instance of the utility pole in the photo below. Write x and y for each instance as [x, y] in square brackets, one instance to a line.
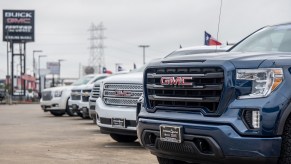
[8, 78]
[80, 65]
[60, 60]
[97, 47]
[143, 47]
[33, 61]
[39, 76]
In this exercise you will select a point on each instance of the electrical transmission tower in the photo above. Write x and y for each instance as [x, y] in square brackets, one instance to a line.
[96, 59]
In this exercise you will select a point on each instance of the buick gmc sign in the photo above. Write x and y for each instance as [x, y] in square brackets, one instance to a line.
[18, 25]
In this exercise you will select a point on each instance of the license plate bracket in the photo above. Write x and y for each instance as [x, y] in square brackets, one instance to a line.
[118, 122]
[169, 133]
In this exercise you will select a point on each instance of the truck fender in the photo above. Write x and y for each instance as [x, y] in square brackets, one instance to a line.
[283, 119]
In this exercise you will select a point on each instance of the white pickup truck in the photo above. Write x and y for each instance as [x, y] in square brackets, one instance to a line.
[56, 100]
[79, 99]
[116, 106]
[117, 102]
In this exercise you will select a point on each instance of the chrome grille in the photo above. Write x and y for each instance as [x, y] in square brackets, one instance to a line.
[131, 87]
[95, 93]
[85, 95]
[47, 95]
[122, 94]
[133, 94]
[76, 95]
[184, 88]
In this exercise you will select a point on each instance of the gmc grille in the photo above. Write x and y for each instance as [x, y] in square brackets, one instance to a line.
[95, 93]
[198, 88]
[122, 94]
[76, 95]
[47, 95]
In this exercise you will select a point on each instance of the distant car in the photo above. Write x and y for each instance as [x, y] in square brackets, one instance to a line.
[56, 100]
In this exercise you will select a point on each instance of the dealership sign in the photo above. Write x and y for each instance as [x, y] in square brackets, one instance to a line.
[54, 67]
[18, 25]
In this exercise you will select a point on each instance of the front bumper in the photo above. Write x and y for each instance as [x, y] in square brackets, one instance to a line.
[56, 103]
[74, 104]
[84, 108]
[92, 106]
[105, 113]
[224, 143]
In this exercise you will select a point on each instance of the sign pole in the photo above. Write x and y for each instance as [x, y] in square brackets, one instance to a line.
[18, 28]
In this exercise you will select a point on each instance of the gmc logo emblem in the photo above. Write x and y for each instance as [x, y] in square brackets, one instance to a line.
[176, 81]
[122, 93]
[19, 20]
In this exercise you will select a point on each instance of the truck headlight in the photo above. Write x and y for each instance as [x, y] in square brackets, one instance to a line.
[58, 93]
[264, 80]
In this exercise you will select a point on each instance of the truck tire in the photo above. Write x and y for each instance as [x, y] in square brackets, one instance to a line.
[94, 120]
[79, 114]
[169, 161]
[285, 156]
[69, 110]
[57, 113]
[85, 116]
[123, 138]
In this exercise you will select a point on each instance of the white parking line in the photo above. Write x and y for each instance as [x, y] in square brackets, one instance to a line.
[98, 134]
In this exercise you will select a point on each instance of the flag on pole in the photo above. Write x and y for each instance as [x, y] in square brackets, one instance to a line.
[104, 70]
[134, 66]
[209, 40]
[119, 68]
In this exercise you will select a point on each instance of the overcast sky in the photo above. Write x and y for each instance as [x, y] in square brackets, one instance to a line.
[61, 27]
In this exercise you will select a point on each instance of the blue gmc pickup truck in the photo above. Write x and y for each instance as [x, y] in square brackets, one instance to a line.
[229, 107]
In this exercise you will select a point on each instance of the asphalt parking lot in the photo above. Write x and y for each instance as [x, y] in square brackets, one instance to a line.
[28, 135]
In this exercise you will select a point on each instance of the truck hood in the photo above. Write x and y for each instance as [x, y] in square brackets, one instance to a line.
[59, 88]
[135, 77]
[88, 86]
[238, 59]
[79, 87]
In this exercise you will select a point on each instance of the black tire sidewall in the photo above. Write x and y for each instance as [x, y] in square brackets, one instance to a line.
[123, 138]
[57, 113]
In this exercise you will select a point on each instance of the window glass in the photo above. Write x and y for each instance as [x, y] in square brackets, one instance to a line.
[83, 80]
[277, 38]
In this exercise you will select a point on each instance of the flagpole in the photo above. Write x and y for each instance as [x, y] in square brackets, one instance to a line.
[218, 26]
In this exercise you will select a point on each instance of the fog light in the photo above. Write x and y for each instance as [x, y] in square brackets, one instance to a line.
[252, 118]
[256, 119]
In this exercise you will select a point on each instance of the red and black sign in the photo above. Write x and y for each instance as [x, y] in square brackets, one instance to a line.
[18, 26]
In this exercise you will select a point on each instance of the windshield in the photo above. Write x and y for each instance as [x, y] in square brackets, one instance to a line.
[190, 52]
[83, 80]
[269, 39]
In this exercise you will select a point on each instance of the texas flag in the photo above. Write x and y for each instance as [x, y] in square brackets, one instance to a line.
[209, 40]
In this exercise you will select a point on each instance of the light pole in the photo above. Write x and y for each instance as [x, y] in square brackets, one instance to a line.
[60, 60]
[144, 47]
[33, 61]
[39, 77]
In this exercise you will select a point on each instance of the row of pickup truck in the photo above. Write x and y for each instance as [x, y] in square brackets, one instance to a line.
[109, 100]
[196, 105]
